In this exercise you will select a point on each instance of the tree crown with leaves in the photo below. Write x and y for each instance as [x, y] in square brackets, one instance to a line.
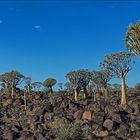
[132, 38]
[118, 64]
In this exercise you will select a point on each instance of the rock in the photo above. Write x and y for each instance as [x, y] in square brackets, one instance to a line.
[123, 132]
[110, 111]
[87, 115]
[123, 116]
[78, 114]
[136, 106]
[110, 138]
[116, 126]
[16, 128]
[135, 126]
[108, 124]
[98, 117]
[7, 102]
[128, 109]
[117, 118]
[100, 133]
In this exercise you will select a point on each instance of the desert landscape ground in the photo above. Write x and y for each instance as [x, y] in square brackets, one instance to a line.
[43, 40]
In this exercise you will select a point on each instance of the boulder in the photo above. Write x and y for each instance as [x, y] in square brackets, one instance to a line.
[87, 115]
[101, 133]
[98, 117]
[123, 132]
[108, 124]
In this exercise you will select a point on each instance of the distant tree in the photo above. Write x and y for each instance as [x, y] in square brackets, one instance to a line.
[5, 82]
[95, 78]
[49, 83]
[119, 65]
[137, 86]
[79, 78]
[132, 38]
[60, 88]
[28, 82]
[105, 76]
[100, 80]
[12, 79]
[116, 87]
[36, 86]
[28, 88]
[68, 86]
[91, 88]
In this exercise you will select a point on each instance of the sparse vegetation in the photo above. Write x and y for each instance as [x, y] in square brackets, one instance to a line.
[83, 110]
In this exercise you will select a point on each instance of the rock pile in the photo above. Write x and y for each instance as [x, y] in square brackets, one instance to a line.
[65, 119]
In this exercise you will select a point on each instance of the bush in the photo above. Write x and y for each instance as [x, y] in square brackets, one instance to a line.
[68, 131]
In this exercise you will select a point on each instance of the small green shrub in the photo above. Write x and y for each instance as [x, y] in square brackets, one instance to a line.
[68, 131]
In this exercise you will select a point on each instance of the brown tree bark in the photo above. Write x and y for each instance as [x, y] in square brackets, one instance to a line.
[75, 95]
[123, 96]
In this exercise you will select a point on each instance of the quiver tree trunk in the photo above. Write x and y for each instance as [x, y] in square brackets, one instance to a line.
[94, 96]
[51, 91]
[51, 96]
[25, 101]
[13, 90]
[85, 93]
[97, 95]
[123, 96]
[75, 95]
[6, 87]
[106, 94]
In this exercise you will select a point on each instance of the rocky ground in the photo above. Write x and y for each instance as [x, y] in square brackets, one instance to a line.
[63, 119]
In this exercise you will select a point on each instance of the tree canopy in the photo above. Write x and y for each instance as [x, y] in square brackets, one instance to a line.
[118, 64]
[132, 38]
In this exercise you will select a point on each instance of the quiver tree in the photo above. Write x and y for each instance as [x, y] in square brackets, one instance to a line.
[49, 83]
[132, 38]
[105, 76]
[100, 80]
[36, 86]
[119, 65]
[27, 87]
[79, 79]
[68, 87]
[5, 82]
[116, 88]
[12, 79]
[60, 86]
[28, 82]
[96, 81]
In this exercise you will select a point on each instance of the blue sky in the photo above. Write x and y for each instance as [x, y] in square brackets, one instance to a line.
[45, 39]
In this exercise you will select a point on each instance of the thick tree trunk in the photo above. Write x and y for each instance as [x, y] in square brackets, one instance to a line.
[94, 97]
[6, 87]
[97, 92]
[123, 96]
[51, 91]
[51, 96]
[25, 101]
[75, 95]
[13, 89]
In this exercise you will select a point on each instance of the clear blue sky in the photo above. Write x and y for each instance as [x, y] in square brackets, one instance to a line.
[48, 39]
